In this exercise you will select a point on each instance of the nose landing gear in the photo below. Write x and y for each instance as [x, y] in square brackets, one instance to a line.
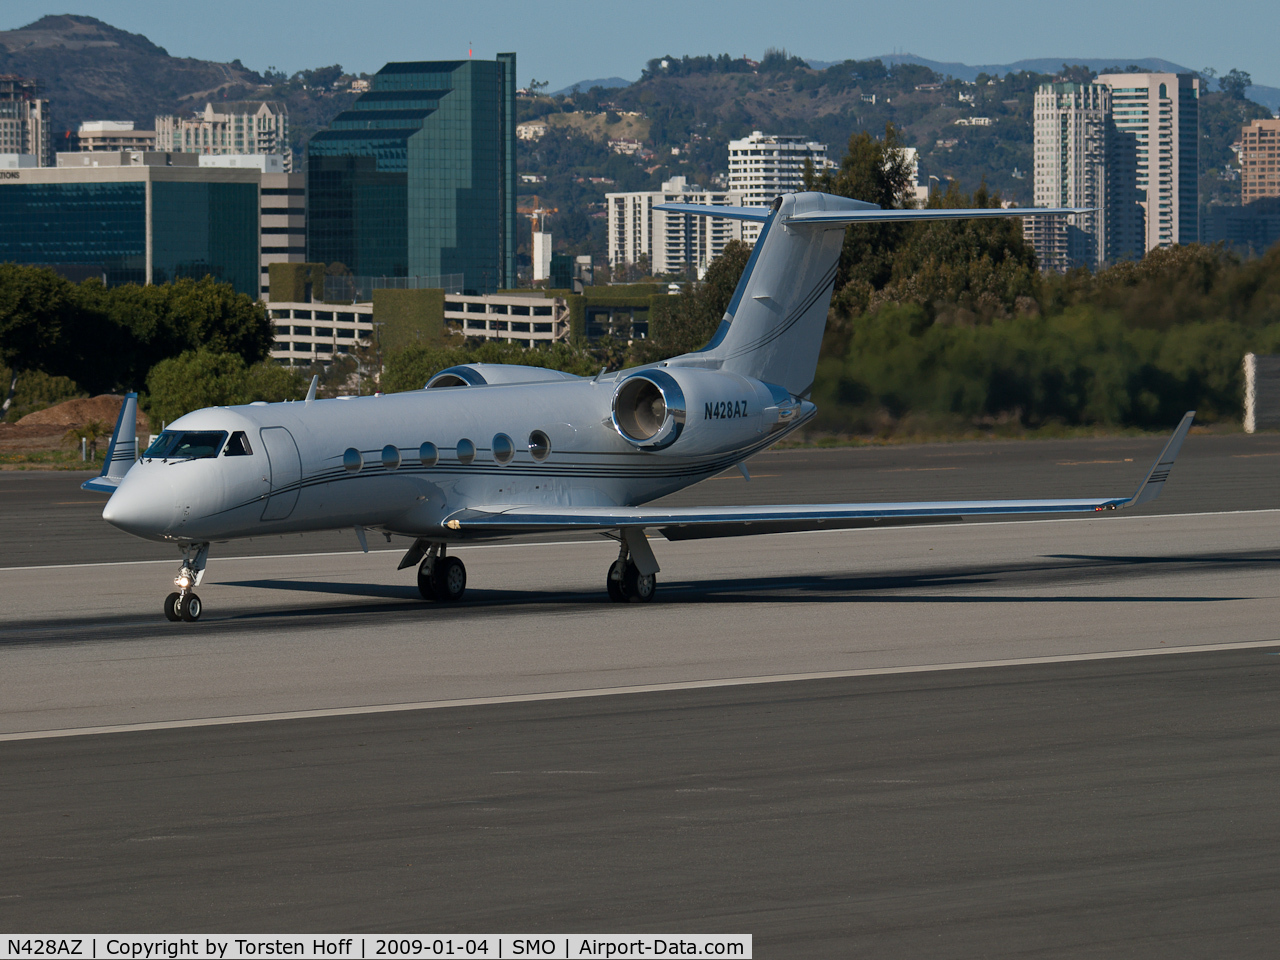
[184, 604]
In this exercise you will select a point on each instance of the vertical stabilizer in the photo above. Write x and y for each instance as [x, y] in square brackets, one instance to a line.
[773, 327]
[123, 451]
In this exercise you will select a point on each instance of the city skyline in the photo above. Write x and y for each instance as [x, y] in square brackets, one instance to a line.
[1002, 33]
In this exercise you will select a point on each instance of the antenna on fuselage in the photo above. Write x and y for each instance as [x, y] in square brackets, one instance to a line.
[311, 390]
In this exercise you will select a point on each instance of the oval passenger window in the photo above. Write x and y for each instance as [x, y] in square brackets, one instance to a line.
[466, 451]
[428, 454]
[352, 460]
[539, 445]
[390, 457]
[503, 448]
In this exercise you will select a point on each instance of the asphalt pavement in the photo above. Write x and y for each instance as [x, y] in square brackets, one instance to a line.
[538, 759]
[1121, 808]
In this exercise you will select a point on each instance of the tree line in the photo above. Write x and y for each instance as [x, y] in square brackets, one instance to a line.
[63, 338]
[951, 323]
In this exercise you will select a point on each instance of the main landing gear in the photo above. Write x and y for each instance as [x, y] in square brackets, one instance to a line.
[184, 604]
[440, 577]
[633, 577]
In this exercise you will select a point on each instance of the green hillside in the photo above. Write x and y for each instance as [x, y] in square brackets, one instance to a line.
[683, 109]
[91, 70]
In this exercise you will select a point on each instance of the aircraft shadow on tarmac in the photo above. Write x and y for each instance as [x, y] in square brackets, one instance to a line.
[1054, 572]
[1039, 580]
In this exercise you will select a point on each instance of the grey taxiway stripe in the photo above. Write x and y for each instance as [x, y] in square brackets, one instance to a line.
[616, 691]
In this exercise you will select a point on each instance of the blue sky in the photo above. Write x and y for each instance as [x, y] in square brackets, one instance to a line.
[563, 41]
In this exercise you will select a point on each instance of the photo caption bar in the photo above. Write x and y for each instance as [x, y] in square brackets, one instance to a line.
[492, 946]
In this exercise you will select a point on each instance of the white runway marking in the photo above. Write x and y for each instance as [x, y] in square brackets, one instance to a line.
[617, 691]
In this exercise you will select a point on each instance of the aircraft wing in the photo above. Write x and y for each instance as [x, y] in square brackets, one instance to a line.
[684, 523]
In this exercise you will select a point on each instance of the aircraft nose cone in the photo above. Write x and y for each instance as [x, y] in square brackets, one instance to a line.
[142, 505]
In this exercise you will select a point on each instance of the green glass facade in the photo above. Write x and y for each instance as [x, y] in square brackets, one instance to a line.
[201, 229]
[418, 178]
[84, 229]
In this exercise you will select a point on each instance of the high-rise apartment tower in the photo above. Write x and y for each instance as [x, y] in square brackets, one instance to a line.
[1072, 146]
[671, 242]
[24, 120]
[1156, 169]
[762, 167]
[1260, 160]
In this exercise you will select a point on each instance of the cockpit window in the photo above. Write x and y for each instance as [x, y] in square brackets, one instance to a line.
[187, 445]
[161, 444]
[238, 446]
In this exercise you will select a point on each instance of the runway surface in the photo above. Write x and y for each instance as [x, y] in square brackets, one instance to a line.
[1107, 807]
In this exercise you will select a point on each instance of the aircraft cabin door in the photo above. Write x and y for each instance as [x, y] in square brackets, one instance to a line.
[286, 472]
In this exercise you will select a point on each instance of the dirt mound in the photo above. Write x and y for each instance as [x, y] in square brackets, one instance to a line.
[76, 413]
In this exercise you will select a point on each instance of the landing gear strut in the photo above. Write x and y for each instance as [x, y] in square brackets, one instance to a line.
[440, 577]
[633, 577]
[184, 604]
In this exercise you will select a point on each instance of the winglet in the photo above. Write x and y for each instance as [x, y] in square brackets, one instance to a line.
[1153, 483]
[122, 452]
[311, 390]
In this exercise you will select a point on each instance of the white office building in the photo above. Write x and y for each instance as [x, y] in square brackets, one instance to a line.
[234, 127]
[1072, 143]
[762, 167]
[112, 136]
[671, 242]
[1155, 179]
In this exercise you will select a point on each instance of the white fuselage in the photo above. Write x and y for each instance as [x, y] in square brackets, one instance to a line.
[296, 478]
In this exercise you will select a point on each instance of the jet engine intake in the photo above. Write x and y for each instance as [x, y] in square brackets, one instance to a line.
[649, 409]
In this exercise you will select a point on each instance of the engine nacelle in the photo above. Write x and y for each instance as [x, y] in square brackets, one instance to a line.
[691, 411]
[483, 374]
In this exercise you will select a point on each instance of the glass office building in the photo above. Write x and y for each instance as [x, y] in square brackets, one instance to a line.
[134, 224]
[417, 179]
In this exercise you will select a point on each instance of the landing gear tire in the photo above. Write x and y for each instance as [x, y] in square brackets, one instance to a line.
[191, 608]
[640, 587]
[171, 612]
[426, 586]
[449, 579]
[614, 581]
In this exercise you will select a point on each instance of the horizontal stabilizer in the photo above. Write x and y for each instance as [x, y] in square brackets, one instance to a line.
[758, 214]
[842, 217]
[868, 213]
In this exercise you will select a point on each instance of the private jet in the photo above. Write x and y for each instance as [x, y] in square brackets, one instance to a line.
[489, 451]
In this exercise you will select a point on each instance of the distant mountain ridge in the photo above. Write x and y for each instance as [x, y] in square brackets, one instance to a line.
[1269, 97]
[94, 71]
[608, 83]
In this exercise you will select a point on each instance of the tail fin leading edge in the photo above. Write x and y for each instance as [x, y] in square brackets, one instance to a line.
[122, 452]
